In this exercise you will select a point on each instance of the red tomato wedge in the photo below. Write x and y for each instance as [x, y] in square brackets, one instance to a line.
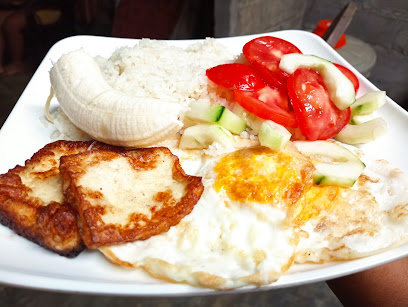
[317, 116]
[349, 74]
[265, 53]
[268, 103]
[235, 76]
[276, 78]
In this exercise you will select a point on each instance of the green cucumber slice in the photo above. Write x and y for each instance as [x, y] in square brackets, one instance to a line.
[333, 151]
[203, 111]
[368, 103]
[359, 119]
[253, 121]
[336, 166]
[203, 135]
[341, 89]
[273, 135]
[232, 122]
[344, 174]
[362, 133]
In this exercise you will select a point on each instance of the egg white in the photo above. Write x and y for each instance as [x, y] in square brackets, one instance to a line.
[377, 206]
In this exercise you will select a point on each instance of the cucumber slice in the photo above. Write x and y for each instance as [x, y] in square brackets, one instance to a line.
[368, 103]
[359, 119]
[203, 135]
[253, 121]
[203, 111]
[362, 133]
[341, 89]
[232, 122]
[344, 174]
[318, 149]
[273, 135]
[343, 169]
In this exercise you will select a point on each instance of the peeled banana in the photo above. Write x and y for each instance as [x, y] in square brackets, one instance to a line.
[106, 114]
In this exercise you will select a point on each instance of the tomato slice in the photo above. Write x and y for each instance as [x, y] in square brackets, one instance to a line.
[317, 116]
[235, 76]
[268, 51]
[277, 78]
[268, 103]
[349, 74]
[264, 54]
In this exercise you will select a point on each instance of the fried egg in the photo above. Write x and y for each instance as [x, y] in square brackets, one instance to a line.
[342, 224]
[238, 233]
[260, 213]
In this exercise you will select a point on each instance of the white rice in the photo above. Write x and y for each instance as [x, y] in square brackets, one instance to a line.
[66, 130]
[155, 69]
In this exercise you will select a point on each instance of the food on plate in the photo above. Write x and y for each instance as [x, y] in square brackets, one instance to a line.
[364, 132]
[72, 192]
[203, 135]
[334, 164]
[339, 87]
[239, 76]
[239, 232]
[363, 126]
[105, 114]
[273, 135]
[230, 176]
[314, 98]
[350, 75]
[138, 96]
[127, 195]
[264, 54]
[236, 136]
[32, 203]
[344, 224]
[317, 116]
[202, 111]
[261, 209]
[299, 91]
[268, 103]
[368, 103]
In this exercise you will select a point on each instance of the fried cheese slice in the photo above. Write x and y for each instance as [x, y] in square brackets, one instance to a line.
[32, 203]
[124, 195]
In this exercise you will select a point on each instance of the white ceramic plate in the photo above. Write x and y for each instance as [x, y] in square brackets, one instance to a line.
[25, 264]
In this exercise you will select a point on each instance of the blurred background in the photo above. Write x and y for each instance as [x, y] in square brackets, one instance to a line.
[376, 45]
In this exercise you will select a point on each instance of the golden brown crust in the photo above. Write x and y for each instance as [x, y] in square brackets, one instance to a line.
[42, 216]
[398, 212]
[115, 260]
[166, 209]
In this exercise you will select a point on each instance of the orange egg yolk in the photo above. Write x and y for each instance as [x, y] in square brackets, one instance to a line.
[258, 175]
[315, 200]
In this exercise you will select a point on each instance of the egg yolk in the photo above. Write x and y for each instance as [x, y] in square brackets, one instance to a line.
[258, 175]
[315, 200]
